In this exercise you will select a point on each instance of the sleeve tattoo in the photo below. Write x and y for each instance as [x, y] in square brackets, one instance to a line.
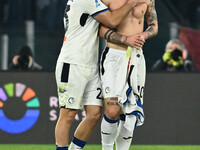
[112, 36]
[152, 20]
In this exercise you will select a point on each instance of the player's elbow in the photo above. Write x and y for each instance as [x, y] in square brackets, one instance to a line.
[113, 26]
[101, 35]
[156, 31]
[112, 23]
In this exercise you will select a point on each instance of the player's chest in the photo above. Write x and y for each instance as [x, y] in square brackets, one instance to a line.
[139, 11]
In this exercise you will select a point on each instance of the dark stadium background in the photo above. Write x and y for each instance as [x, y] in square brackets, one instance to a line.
[172, 100]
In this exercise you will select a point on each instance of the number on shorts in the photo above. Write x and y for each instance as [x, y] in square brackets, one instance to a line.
[99, 95]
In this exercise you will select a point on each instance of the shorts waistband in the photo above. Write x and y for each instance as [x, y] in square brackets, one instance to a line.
[112, 50]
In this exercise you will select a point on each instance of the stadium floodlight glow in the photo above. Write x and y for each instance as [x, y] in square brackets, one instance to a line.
[11, 92]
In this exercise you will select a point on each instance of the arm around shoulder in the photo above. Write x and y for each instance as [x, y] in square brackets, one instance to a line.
[113, 18]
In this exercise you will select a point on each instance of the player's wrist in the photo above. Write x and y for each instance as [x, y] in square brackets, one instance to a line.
[124, 39]
[107, 33]
[145, 35]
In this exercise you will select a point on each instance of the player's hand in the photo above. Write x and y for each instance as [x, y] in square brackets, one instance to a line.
[135, 41]
[142, 36]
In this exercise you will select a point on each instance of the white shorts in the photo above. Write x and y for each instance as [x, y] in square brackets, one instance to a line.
[111, 61]
[77, 86]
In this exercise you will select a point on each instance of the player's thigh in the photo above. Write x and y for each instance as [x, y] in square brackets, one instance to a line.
[94, 112]
[110, 66]
[67, 114]
[93, 91]
[71, 81]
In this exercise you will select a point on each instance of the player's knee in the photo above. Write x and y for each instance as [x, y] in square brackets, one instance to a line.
[68, 116]
[67, 119]
[112, 114]
[70, 119]
[95, 116]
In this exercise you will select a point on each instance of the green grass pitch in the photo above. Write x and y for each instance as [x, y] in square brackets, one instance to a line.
[98, 147]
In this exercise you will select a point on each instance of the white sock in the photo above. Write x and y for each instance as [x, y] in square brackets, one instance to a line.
[108, 133]
[74, 147]
[124, 137]
[77, 144]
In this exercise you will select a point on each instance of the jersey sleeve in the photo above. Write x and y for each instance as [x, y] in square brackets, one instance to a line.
[94, 7]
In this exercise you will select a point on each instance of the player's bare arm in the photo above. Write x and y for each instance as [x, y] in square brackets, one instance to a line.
[138, 40]
[152, 21]
[113, 18]
[112, 36]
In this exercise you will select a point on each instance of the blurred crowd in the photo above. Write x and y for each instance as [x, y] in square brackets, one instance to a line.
[48, 14]
[45, 13]
[190, 11]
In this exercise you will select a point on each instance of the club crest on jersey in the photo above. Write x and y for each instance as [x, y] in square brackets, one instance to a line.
[71, 100]
[97, 3]
[63, 91]
[107, 90]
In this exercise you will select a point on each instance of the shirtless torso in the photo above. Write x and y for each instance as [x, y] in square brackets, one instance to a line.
[133, 24]
[114, 68]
